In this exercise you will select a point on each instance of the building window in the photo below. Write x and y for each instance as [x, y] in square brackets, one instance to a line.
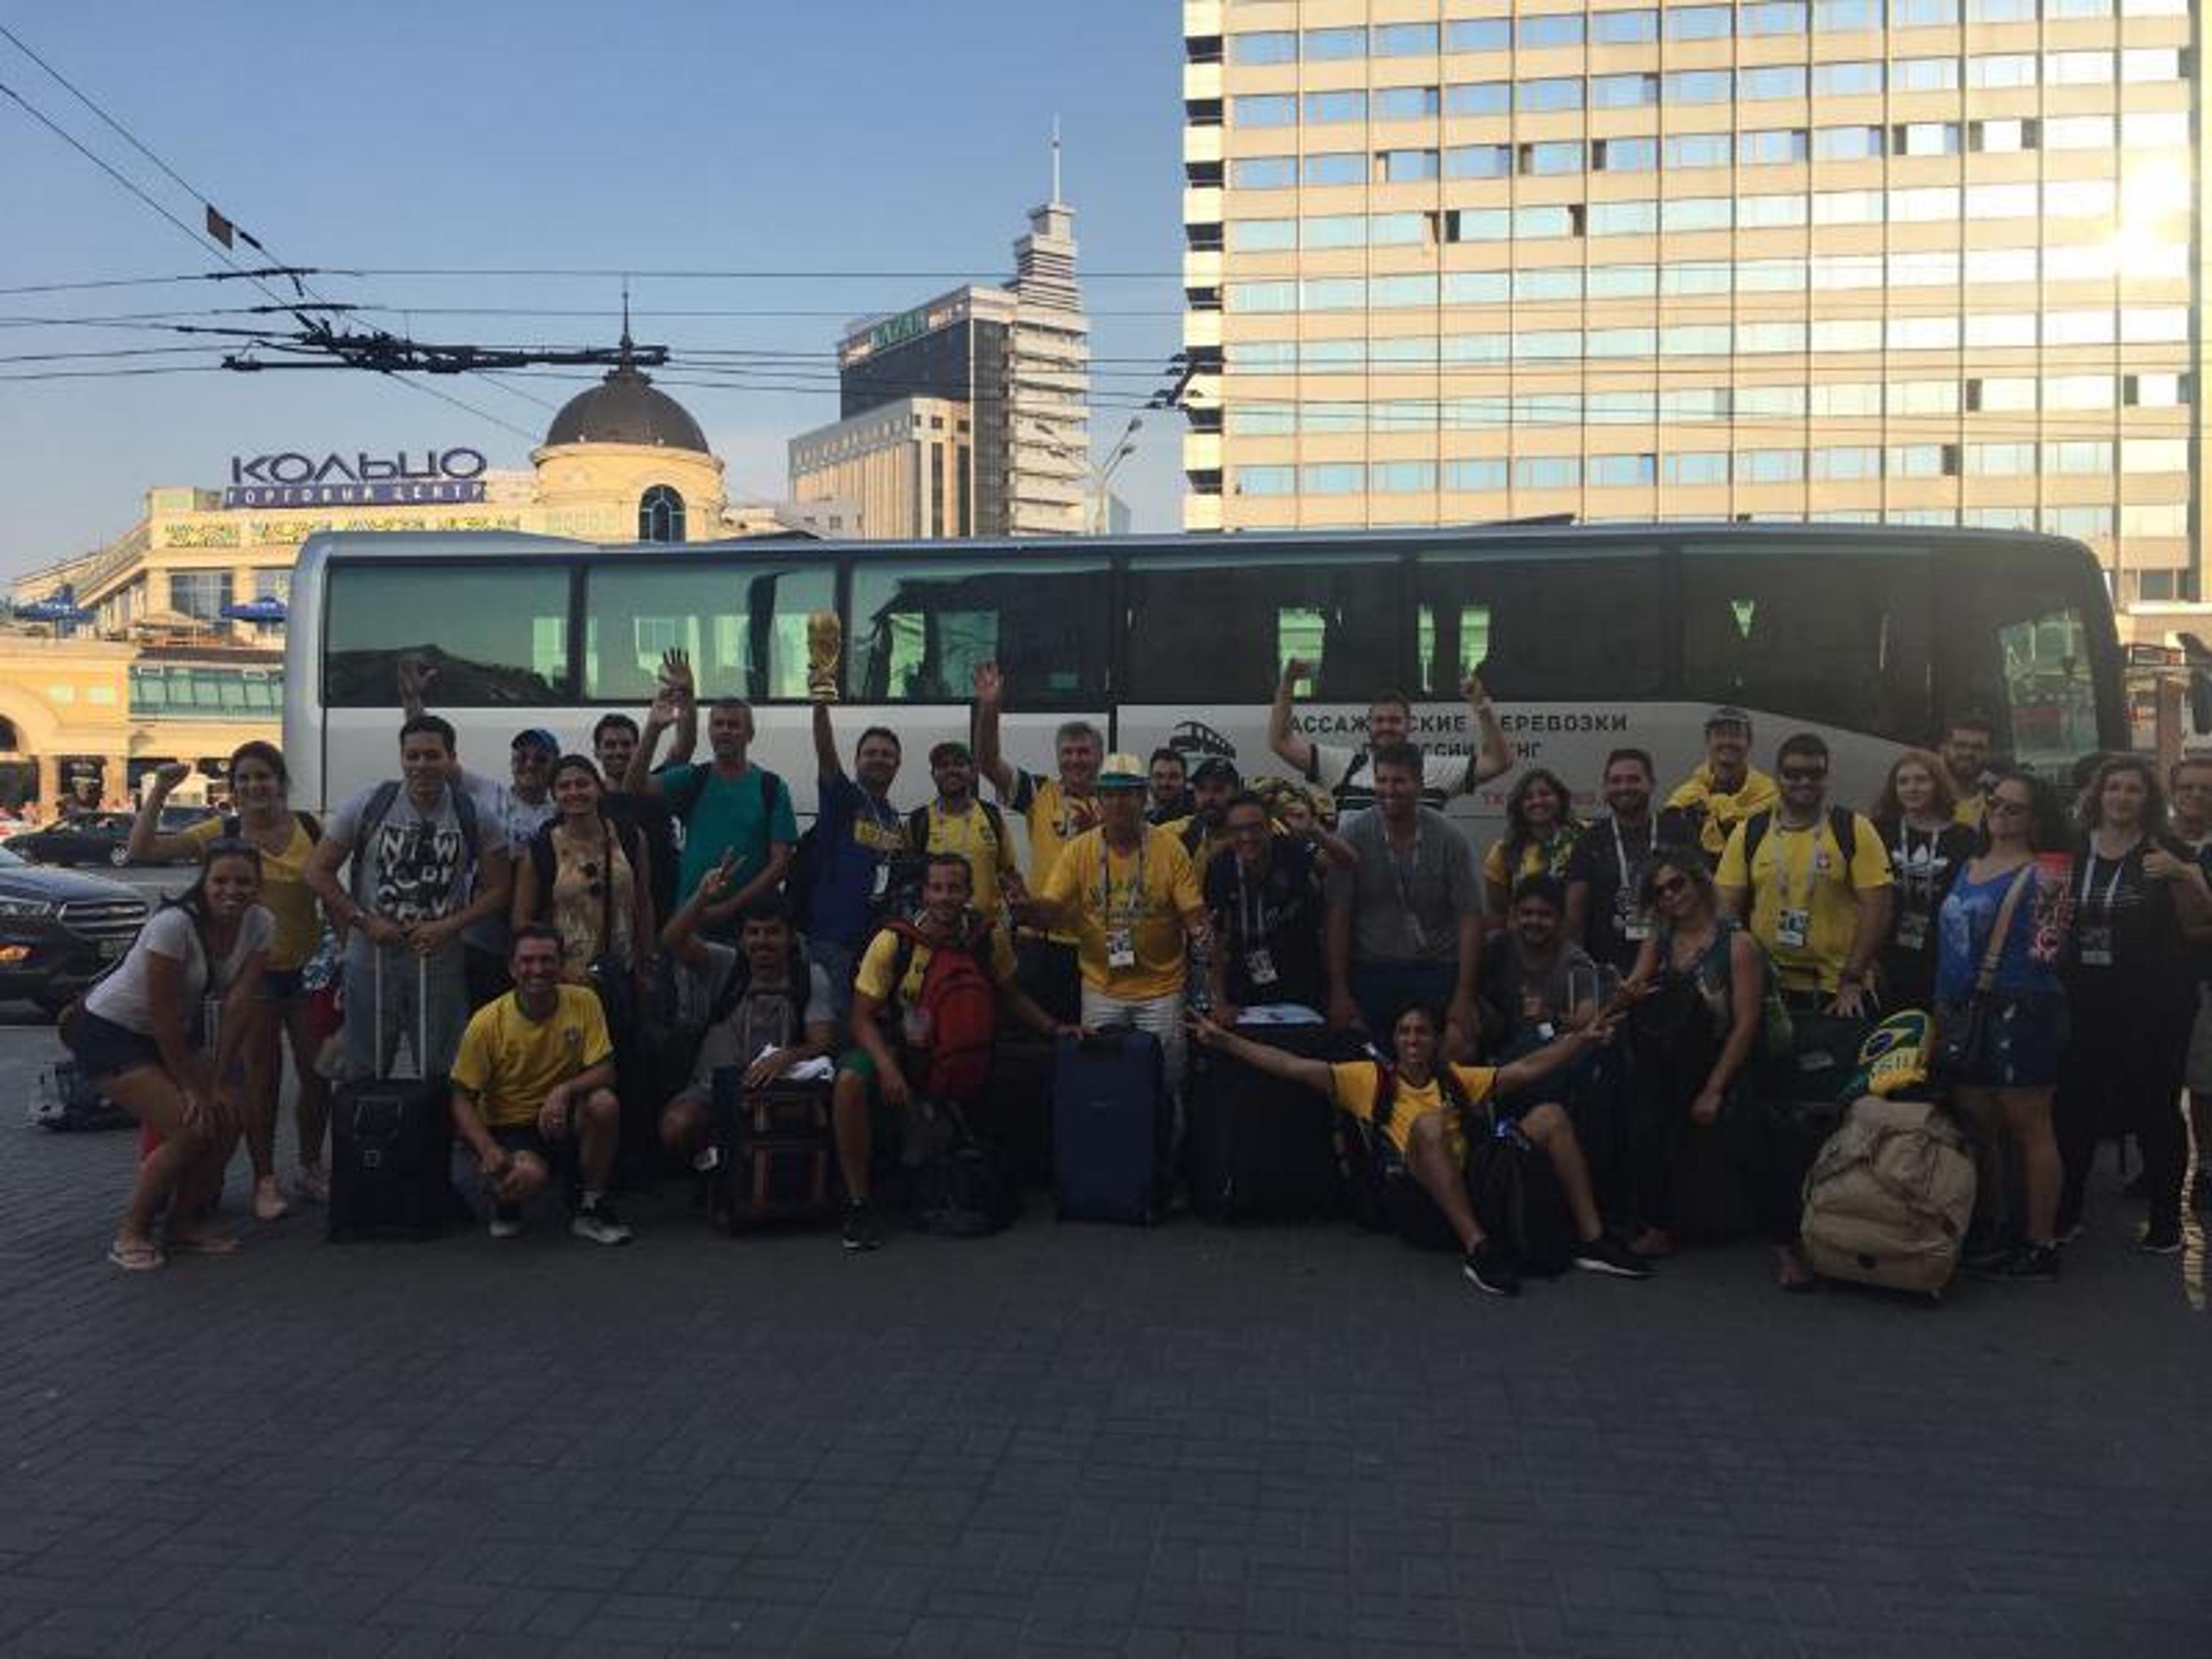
[1551, 29]
[1479, 97]
[1337, 167]
[1474, 475]
[1263, 171]
[1625, 155]
[200, 594]
[1553, 93]
[1478, 161]
[1402, 477]
[1405, 103]
[660, 515]
[1623, 91]
[1479, 34]
[1332, 478]
[1623, 28]
[1268, 47]
[1404, 40]
[1703, 467]
[1405, 165]
[1851, 78]
[1623, 471]
[1548, 472]
[1270, 109]
[1334, 46]
[1698, 23]
[1326, 106]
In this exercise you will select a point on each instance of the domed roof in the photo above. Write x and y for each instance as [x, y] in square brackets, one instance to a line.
[625, 409]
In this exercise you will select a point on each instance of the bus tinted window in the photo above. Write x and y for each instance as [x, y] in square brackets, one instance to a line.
[496, 635]
[744, 624]
[1840, 640]
[920, 628]
[1204, 630]
[2019, 652]
[1549, 627]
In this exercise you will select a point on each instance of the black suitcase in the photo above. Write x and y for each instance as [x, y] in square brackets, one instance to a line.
[391, 1146]
[1260, 1149]
[1108, 1104]
[772, 1153]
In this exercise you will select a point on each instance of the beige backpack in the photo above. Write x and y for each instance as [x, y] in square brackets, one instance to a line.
[1887, 1201]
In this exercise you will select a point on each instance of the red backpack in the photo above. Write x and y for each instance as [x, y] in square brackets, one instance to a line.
[960, 1006]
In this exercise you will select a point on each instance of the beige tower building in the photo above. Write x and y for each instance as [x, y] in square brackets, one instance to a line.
[1919, 261]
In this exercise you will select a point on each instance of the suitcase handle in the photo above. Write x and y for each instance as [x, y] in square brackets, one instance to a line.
[421, 1013]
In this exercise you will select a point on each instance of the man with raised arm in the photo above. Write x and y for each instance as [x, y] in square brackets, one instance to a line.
[1349, 774]
[1057, 810]
[730, 808]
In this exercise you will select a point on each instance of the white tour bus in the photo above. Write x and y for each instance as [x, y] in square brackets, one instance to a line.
[1590, 638]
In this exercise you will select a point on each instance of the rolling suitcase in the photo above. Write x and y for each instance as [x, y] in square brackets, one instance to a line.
[392, 1143]
[1107, 1101]
[1260, 1149]
[773, 1149]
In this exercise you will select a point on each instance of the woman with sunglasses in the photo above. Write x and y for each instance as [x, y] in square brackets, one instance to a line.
[1700, 985]
[591, 882]
[138, 1035]
[2138, 899]
[261, 813]
[2007, 1087]
[1917, 815]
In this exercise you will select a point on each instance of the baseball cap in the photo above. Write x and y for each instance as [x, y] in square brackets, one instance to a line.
[1215, 766]
[537, 737]
[1728, 714]
[939, 754]
[1123, 771]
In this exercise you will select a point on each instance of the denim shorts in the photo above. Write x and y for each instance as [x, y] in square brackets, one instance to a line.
[105, 1049]
[2027, 1038]
[282, 986]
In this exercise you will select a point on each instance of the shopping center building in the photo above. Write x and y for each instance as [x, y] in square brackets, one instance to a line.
[147, 667]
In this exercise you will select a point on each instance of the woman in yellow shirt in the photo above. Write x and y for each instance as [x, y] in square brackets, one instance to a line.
[1541, 831]
[261, 814]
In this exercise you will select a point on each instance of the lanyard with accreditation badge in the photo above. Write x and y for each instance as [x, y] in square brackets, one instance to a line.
[1252, 928]
[1120, 929]
[2094, 939]
[1793, 926]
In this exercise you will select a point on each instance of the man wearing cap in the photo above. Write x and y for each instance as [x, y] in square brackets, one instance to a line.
[518, 808]
[1204, 832]
[957, 821]
[1128, 895]
[1723, 790]
[1057, 810]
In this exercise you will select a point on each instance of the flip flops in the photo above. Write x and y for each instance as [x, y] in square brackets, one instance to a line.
[135, 1258]
[203, 1244]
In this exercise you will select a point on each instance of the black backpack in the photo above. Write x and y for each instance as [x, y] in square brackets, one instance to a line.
[378, 808]
[963, 1186]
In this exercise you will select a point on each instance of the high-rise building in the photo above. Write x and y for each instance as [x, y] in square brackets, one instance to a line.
[1925, 261]
[968, 414]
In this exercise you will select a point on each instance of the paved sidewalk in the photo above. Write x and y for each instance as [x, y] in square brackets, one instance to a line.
[1069, 1441]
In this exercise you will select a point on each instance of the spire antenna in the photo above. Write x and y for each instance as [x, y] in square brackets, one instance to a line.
[1055, 159]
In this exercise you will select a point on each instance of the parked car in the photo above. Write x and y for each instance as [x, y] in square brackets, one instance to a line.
[59, 930]
[96, 837]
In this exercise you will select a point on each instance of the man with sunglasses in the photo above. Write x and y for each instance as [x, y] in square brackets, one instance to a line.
[1812, 882]
[1265, 898]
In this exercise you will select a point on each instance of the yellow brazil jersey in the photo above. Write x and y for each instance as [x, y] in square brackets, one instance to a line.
[989, 854]
[1968, 810]
[1359, 1081]
[284, 892]
[1721, 811]
[1804, 905]
[873, 978]
[510, 1061]
[1146, 892]
[1538, 858]
[1054, 818]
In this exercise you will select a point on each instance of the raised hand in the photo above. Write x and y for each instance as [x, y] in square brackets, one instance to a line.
[168, 774]
[676, 674]
[990, 683]
[415, 674]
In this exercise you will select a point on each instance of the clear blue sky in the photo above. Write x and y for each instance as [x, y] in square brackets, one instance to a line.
[843, 136]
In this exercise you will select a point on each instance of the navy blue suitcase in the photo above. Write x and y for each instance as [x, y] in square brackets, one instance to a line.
[1108, 1099]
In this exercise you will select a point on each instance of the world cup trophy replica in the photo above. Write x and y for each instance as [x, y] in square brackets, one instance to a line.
[825, 648]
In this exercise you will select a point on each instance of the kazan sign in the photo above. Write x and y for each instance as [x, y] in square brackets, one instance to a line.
[289, 478]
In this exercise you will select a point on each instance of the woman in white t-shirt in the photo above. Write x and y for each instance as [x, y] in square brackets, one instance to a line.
[139, 1034]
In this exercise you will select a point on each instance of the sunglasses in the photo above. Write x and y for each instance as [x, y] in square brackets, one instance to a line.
[1670, 886]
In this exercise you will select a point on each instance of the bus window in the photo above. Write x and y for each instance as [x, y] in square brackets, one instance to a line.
[2018, 651]
[920, 628]
[744, 624]
[495, 633]
[1835, 636]
[1548, 628]
[1205, 630]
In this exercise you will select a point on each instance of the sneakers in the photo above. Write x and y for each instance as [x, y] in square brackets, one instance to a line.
[506, 1221]
[2030, 1264]
[2161, 1237]
[311, 1184]
[1606, 1255]
[862, 1231]
[598, 1222]
[1489, 1271]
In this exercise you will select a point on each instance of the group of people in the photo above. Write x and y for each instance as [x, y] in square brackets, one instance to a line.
[549, 940]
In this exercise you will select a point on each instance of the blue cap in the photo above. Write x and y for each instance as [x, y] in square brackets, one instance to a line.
[537, 737]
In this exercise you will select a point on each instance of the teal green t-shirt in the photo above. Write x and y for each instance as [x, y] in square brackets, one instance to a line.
[750, 812]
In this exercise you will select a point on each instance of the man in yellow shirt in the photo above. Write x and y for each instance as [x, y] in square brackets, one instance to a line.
[890, 1019]
[536, 1067]
[1057, 810]
[1130, 895]
[1724, 790]
[957, 821]
[1813, 885]
[1432, 1141]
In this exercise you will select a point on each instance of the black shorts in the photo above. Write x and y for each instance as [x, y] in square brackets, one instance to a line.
[282, 986]
[105, 1049]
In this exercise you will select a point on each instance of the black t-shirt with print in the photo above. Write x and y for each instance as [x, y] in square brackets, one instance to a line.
[1610, 858]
